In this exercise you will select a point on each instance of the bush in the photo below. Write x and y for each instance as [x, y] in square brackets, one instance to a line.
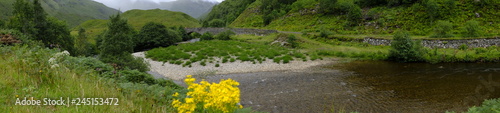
[471, 29]
[463, 47]
[206, 36]
[404, 49]
[153, 35]
[327, 6]
[488, 106]
[323, 32]
[442, 30]
[292, 40]
[226, 35]
[135, 76]
[217, 23]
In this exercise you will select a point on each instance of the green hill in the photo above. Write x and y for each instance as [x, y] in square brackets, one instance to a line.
[73, 12]
[139, 18]
[375, 16]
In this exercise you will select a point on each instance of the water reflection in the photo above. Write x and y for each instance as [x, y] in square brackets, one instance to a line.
[370, 87]
[452, 86]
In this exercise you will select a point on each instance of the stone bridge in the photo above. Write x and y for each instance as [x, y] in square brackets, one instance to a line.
[238, 31]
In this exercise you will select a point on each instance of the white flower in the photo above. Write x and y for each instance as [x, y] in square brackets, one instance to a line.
[52, 60]
[54, 66]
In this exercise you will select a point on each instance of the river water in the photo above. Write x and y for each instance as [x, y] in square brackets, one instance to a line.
[370, 86]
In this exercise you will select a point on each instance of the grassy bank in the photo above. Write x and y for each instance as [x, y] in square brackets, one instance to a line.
[226, 51]
[38, 73]
[351, 47]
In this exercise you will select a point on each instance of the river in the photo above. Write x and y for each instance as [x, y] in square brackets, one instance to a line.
[370, 86]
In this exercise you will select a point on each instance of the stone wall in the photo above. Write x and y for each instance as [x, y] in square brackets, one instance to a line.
[238, 31]
[474, 43]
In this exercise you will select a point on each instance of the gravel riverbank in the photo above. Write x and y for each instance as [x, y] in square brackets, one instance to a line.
[177, 72]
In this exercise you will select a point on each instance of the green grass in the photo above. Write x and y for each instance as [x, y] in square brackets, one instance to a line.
[384, 20]
[224, 50]
[27, 72]
[138, 18]
[348, 47]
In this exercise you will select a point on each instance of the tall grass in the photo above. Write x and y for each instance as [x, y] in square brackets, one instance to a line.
[27, 72]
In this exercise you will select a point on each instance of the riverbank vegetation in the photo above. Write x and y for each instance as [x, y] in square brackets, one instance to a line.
[219, 51]
[36, 72]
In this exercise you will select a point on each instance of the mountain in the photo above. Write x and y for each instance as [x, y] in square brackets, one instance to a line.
[194, 8]
[420, 17]
[138, 18]
[73, 12]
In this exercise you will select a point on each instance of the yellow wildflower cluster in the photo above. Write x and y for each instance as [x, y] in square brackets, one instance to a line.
[211, 97]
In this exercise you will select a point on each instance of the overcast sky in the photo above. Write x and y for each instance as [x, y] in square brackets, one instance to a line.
[114, 2]
[124, 5]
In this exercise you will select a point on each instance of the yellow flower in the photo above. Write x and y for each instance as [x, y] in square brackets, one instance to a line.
[176, 94]
[17, 96]
[214, 97]
[189, 100]
[40, 71]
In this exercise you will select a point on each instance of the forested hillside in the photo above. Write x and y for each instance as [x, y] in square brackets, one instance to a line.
[73, 12]
[139, 18]
[420, 17]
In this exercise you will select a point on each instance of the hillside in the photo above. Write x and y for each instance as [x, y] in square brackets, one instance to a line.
[194, 8]
[139, 18]
[73, 12]
[368, 17]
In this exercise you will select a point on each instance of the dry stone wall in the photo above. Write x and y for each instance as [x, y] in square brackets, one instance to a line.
[474, 43]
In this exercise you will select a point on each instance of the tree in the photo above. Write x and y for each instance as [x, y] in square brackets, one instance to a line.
[117, 45]
[31, 19]
[154, 35]
[432, 9]
[404, 49]
[22, 18]
[82, 46]
[184, 35]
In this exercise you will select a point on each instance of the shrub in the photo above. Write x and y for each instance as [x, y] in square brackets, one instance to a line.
[471, 29]
[404, 49]
[153, 35]
[442, 30]
[217, 65]
[463, 47]
[327, 6]
[292, 40]
[488, 106]
[226, 35]
[135, 76]
[217, 23]
[206, 36]
[323, 32]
